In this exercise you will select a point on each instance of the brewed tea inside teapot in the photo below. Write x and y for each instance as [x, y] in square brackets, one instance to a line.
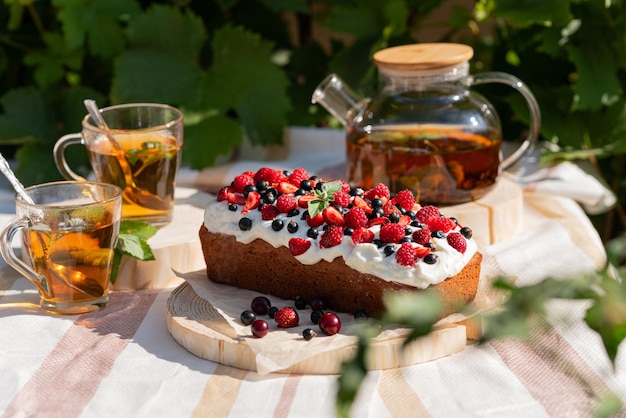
[426, 130]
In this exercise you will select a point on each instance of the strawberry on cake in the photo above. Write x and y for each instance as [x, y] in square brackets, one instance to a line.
[293, 235]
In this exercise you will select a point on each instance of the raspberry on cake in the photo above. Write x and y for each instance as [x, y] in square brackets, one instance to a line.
[302, 236]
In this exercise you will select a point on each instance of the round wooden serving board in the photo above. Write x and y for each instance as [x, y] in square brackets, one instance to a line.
[200, 328]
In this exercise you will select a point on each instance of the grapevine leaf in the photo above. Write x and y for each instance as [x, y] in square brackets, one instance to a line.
[258, 18]
[459, 17]
[26, 115]
[154, 76]
[36, 155]
[226, 4]
[368, 19]
[243, 78]
[145, 71]
[183, 38]
[287, 5]
[34, 120]
[349, 64]
[531, 12]
[306, 63]
[98, 21]
[211, 137]
[597, 84]
[16, 11]
[51, 62]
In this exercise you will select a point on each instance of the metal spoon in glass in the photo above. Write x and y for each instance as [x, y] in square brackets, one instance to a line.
[131, 192]
[15, 183]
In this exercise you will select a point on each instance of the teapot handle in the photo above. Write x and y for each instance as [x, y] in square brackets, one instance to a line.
[535, 114]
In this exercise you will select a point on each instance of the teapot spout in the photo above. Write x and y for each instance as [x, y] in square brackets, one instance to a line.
[339, 99]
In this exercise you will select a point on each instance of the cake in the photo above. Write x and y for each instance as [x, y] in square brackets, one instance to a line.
[292, 235]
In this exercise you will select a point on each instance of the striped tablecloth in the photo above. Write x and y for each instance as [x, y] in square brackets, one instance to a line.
[122, 362]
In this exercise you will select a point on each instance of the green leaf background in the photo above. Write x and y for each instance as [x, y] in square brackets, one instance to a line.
[246, 69]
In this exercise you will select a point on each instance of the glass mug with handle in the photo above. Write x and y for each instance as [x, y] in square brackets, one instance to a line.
[68, 238]
[145, 167]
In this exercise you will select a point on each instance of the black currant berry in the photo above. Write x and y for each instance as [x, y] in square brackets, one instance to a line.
[305, 185]
[300, 303]
[466, 232]
[360, 315]
[316, 315]
[247, 317]
[245, 224]
[277, 224]
[249, 188]
[292, 227]
[308, 334]
[262, 185]
[438, 233]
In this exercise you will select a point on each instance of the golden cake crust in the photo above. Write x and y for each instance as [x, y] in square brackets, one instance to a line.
[260, 267]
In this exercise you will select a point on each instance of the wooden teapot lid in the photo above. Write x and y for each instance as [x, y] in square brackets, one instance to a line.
[425, 56]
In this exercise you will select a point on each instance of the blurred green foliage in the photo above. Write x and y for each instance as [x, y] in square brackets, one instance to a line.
[247, 68]
[604, 291]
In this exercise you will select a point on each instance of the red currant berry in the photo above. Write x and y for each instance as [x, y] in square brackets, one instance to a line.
[329, 323]
[259, 328]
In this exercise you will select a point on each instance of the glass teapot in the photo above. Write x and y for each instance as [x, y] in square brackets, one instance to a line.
[425, 130]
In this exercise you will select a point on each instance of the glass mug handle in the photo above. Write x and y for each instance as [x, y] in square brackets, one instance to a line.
[535, 114]
[13, 260]
[59, 155]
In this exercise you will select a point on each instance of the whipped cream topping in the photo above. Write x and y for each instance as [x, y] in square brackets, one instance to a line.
[365, 258]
